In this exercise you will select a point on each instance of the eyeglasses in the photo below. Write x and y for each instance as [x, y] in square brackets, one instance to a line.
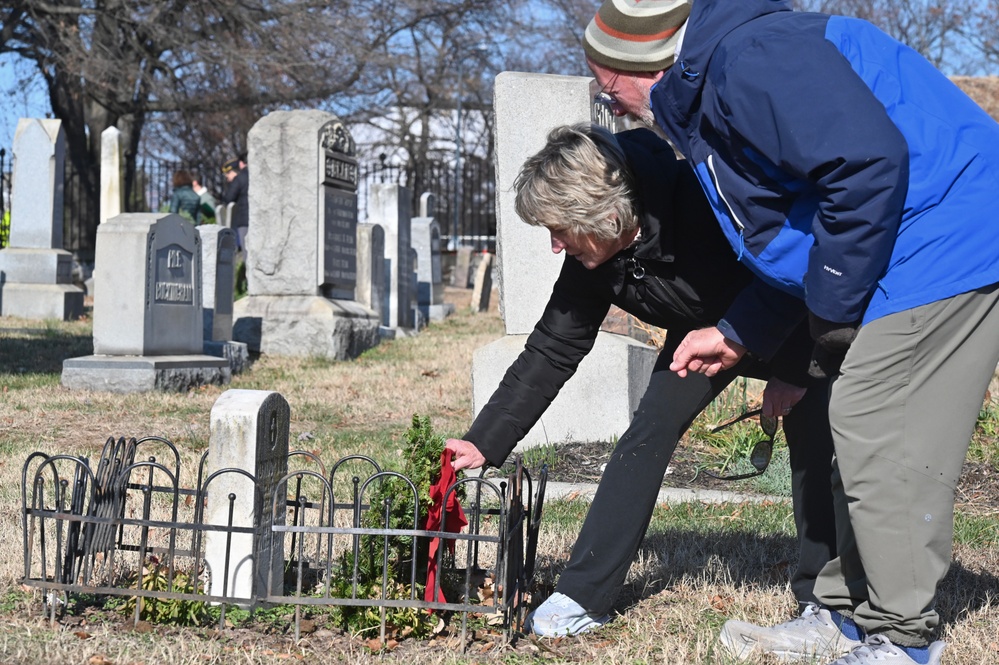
[762, 451]
[606, 98]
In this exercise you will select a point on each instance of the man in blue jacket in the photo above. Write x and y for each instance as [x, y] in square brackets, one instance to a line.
[858, 184]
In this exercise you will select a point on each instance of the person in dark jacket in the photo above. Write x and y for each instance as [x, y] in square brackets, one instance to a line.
[858, 184]
[237, 192]
[184, 199]
[638, 233]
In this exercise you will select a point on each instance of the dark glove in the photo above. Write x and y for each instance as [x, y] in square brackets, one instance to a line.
[831, 343]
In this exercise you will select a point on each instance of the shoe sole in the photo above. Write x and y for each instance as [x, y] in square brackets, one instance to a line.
[571, 630]
[743, 650]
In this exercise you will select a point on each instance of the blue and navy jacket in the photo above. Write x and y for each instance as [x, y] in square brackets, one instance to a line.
[844, 169]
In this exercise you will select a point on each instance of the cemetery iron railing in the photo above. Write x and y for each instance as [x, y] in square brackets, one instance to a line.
[477, 214]
[153, 186]
[125, 527]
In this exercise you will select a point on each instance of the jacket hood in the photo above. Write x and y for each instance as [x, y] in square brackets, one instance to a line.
[710, 21]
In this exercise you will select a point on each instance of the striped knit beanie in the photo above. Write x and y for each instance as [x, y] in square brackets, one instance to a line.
[635, 35]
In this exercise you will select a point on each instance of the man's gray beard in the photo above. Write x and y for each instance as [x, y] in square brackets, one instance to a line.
[648, 120]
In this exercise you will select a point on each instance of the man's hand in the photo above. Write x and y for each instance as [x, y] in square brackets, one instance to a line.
[706, 351]
[780, 397]
[466, 455]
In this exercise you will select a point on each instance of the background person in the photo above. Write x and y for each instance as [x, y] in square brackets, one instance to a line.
[238, 176]
[836, 157]
[207, 203]
[637, 232]
[183, 200]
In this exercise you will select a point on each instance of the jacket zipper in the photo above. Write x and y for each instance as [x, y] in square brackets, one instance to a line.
[638, 272]
[731, 212]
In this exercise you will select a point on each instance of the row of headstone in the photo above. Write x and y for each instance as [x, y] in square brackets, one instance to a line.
[305, 294]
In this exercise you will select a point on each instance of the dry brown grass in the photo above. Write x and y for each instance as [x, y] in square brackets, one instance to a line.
[697, 568]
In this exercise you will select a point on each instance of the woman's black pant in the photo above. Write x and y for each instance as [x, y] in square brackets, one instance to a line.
[622, 507]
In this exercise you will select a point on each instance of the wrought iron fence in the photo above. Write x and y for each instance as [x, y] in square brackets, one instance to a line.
[153, 184]
[474, 226]
[127, 527]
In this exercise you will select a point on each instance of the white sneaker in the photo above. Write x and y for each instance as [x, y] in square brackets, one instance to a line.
[560, 615]
[814, 634]
[878, 649]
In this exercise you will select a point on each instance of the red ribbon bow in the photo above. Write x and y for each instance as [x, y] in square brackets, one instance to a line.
[453, 521]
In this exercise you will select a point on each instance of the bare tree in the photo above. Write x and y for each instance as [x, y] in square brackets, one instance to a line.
[983, 35]
[935, 28]
[118, 62]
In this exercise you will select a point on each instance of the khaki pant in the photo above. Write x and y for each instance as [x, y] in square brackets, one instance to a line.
[902, 412]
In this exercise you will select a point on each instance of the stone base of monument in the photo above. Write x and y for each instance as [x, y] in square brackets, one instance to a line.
[305, 326]
[134, 374]
[596, 404]
[41, 301]
[237, 353]
[437, 312]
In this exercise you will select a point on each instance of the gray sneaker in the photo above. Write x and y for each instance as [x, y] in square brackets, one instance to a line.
[813, 635]
[560, 615]
[878, 649]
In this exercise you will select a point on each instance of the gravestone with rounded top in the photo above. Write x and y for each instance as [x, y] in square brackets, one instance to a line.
[430, 281]
[218, 278]
[247, 457]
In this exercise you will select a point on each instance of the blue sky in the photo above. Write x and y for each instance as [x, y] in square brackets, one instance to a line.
[20, 100]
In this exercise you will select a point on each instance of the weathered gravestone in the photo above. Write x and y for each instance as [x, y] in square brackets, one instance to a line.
[430, 281]
[419, 321]
[483, 288]
[388, 206]
[148, 319]
[218, 279]
[249, 435]
[301, 273]
[35, 271]
[600, 399]
[371, 267]
[112, 189]
[462, 275]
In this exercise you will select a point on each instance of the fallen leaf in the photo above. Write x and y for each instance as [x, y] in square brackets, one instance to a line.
[721, 603]
[98, 659]
[83, 635]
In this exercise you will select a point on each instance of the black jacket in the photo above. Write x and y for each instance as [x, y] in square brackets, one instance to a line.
[238, 192]
[681, 275]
